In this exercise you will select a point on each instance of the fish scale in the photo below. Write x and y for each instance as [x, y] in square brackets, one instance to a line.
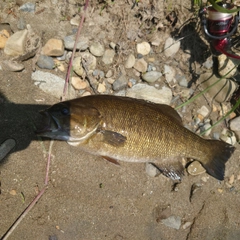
[127, 129]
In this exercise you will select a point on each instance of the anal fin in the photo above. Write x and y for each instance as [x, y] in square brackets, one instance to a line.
[172, 169]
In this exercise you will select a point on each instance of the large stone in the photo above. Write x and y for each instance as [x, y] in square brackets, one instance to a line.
[221, 91]
[149, 93]
[53, 47]
[171, 47]
[51, 84]
[15, 45]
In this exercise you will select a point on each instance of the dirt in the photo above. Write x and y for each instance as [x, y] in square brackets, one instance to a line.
[87, 197]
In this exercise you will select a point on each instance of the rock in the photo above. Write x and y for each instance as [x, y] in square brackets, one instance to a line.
[228, 136]
[101, 88]
[77, 66]
[171, 47]
[225, 64]
[109, 73]
[98, 73]
[221, 91]
[151, 170]
[21, 24]
[51, 84]
[45, 62]
[208, 64]
[112, 45]
[169, 73]
[15, 45]
[75, 20]
[130, 61]
[97, 49]
[195, 168]
[53, 47]
[203, 111]
[78, 83]
[12, 66]
[69, 42]
[235, 124]
[28, 7]
[4, 35]
[63, 57]
[108, 56]
[143, 48]
[182, 81]
[89, 61]
[186, 225]
[206, 127]
[59, 65]
[120, 83]
[6, 147]
[149, 93]
[152, 76]
[156, 39]
[141, 65]
[172, 222]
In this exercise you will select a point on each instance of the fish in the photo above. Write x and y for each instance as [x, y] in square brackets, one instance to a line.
[133, 130]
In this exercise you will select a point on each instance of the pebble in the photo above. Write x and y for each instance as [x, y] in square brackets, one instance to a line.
[231, 179]
[225, 64]
[97, 49]
[156, 39]
[75, 20]
[130, 61]
[195, 168]
[6, 147]
[108, 56]
[112, 45]
[78, 83]
[89, 61]
[151, 170]
[186, 225]
[182, 81]
[77, 66]
[51, 84]
[152, 76]
[109, 73]
[222, 91]
[69, 42]
[172, 222]
[45, 62]
[53, 47]
[204, 128]
[110, 80]
[208, 64]
[98, 73]
[171, 47]
[59, 65]
[4, 35]
[101, 88]
[15, 45]
[235, 124]
[28, 7]
[169, 73]
[150, 93]
[21, 24]
[228, 136]
[203, 111]
[120, 83]
[12, 66]
[141, 65]
[143, 48]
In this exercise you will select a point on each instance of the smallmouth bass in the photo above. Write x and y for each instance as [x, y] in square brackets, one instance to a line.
[133, 130]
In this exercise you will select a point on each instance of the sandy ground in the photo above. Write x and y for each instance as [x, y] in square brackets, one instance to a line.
[89, 198]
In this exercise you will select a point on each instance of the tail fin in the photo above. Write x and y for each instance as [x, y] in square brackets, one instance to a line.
[221, 152]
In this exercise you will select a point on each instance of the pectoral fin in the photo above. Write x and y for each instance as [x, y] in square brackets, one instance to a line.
[113, 138]
[172, 169]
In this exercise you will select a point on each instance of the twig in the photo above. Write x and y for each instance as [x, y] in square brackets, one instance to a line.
[48, 162]
[74, 50]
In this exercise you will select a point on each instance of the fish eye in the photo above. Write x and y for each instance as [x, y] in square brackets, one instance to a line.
[65, 111]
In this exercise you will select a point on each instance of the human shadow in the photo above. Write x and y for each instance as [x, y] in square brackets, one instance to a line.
[18, 122]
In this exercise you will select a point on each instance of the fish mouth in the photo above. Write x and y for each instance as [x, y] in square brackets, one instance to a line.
[48, 124]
